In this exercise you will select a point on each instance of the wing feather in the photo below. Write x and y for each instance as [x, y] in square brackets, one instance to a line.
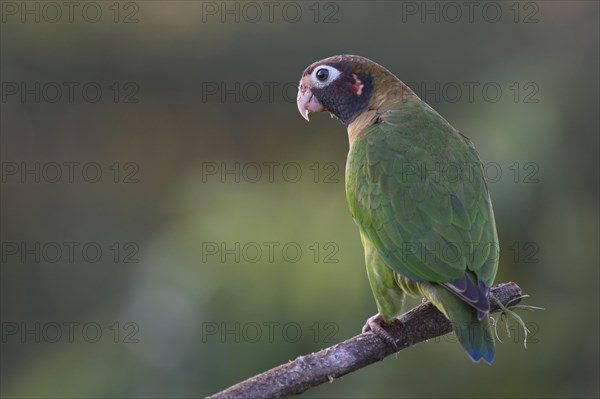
[416, 189]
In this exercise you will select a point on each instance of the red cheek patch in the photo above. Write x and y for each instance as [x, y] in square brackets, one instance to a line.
[357, 86]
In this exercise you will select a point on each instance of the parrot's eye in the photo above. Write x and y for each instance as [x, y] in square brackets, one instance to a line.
[322, 74]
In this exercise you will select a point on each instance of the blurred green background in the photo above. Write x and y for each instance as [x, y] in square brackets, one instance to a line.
[226, 243]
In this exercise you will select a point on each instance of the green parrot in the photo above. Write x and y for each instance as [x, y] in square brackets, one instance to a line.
[416, 189]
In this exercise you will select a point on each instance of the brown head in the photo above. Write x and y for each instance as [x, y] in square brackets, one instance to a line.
[347, 86]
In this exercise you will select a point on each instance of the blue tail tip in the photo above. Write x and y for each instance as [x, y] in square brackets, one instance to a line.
[476, 355]
[488, 356]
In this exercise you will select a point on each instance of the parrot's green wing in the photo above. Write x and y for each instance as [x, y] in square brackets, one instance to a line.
[416, 189]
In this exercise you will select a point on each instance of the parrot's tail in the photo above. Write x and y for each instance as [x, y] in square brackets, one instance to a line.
[474, 335]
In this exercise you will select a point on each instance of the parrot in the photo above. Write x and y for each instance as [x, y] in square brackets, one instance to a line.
[416, 189]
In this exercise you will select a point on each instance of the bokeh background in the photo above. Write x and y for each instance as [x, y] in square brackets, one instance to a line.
[172, 226]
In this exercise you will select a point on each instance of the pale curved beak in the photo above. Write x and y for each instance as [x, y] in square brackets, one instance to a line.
[307, 102]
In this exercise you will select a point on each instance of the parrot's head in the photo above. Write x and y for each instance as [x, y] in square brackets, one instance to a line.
[345, 86]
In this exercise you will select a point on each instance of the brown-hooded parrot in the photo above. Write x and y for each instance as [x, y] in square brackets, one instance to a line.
[416, 189]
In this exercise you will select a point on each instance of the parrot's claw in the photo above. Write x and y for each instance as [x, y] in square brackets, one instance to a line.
[375, 324]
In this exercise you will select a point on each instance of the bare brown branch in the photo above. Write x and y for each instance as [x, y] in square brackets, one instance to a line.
[419, 324]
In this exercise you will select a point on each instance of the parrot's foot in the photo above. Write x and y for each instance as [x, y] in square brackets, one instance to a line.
[376, 323]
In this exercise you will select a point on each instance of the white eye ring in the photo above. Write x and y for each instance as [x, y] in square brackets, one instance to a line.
[333, 75]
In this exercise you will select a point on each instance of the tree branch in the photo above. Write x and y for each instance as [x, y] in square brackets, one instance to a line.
[419, 324]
